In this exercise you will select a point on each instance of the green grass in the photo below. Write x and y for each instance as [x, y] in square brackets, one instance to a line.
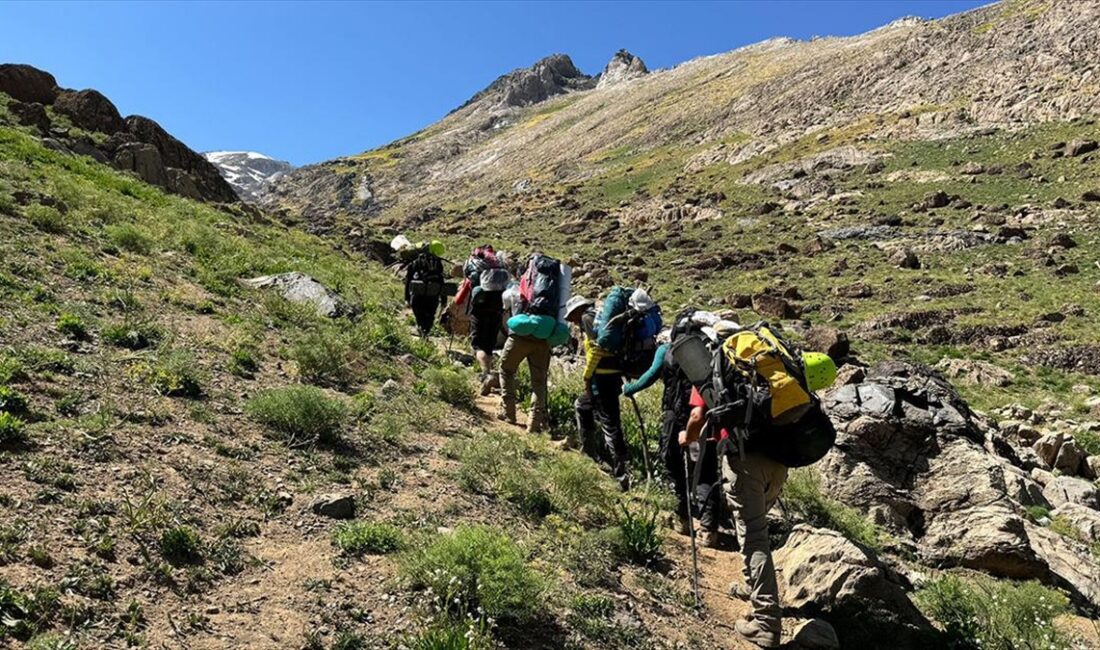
[993, 614]
[304, 415]
[451, 386]
[368, 538]
[72, 326]
[12, 429]
[477, 568]
[639, 533]
[803, 497]
[181, 545]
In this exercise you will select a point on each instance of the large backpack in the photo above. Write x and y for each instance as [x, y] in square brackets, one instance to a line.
[541, 287]
[487, 276]
[629, 332]
[757, 391]
[425, 275]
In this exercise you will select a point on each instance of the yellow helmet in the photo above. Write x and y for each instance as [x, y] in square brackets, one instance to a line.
[820, 370]
[436, 248]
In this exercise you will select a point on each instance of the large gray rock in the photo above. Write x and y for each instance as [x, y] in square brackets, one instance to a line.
[979, 373]
[144, 160]
[1071, 566]
[174, 153]
[334, 506]
[302, 289]
[30, 114]
[27, 84]
[910, 452]
[553, 75]
[821, 573]
[1069, 458]
[1085, 520]
[1068, 489]
[1047, 447]
[622, 67]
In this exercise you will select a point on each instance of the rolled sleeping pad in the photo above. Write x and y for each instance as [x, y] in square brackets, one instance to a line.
[545, 327]
[522, 324]
[560, 335]
[566, 289]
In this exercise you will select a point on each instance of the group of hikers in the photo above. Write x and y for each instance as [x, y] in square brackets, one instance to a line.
[738, 409]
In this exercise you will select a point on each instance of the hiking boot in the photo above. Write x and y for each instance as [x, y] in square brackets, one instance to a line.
[680, 524]
[624, 482]
[490, 383]
[757, 633]
[739, 589]
[504, 416]
[709, 538]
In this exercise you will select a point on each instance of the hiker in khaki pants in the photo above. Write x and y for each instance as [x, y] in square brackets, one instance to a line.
[537, 354]
[751, 485]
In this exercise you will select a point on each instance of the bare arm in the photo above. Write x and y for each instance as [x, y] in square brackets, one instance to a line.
[695, 424]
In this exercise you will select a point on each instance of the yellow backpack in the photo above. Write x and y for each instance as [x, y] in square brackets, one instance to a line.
[763, 358]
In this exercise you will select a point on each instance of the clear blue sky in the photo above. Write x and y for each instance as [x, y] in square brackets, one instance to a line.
[311, 81]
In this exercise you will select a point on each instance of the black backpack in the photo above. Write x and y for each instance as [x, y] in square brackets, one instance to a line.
[424, 276]
[541, 286]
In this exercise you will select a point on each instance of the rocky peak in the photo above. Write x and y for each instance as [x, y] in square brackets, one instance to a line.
[624, 66]
[249, 173]
[551, 76]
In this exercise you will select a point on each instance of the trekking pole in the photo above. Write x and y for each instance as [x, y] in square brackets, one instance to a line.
[645, 440]
[691, 528]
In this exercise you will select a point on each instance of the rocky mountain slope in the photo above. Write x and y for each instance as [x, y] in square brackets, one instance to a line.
[248, 172]
[86, 123]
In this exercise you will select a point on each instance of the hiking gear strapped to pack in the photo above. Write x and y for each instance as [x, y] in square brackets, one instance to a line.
[756, 390]
[820, 370]
[540, 286]
[486, 278]
[627, 327]
[424, 275]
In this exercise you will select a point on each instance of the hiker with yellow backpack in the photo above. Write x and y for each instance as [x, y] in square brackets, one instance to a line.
[757, 396]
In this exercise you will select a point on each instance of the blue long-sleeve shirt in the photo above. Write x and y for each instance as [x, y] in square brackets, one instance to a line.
[650, 376]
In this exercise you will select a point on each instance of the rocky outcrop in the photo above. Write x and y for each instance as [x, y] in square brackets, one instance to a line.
[822, 573]
[27, 84]
[136, 144]
[301, 289]
[90, 110]
[913, 456]
[622, 67]
[551, 76]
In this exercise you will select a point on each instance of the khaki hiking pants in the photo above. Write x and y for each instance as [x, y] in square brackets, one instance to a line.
[751, 487]
[537, 354]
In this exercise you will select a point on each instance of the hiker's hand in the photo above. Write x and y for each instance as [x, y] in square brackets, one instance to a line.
[685, 439]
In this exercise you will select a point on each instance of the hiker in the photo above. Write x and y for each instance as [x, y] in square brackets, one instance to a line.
[482, 294]
[761, 433]
[533, 331]
[619, 342]
[425, 284]
[702, 472]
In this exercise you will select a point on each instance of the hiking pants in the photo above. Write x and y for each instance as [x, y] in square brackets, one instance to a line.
[591, 441]
[424, 309]
[752, 485]
[537, 354]
[607, 413]
[707, 505]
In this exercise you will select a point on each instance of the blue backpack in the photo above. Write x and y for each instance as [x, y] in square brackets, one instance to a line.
[628, 333]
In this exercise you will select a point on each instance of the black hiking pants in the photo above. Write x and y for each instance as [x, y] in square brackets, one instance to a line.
[707, 506]
[603, 409]
[424, 309]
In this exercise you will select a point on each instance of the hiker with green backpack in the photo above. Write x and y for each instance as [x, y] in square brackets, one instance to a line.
[620, 341]
[756, 396]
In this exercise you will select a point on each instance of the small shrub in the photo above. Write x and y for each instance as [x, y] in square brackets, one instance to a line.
[993, 614]
[12, 429]
[446, 634]
[176, 375]
[25, 614]
[304, 414]
[451, 386]
[132, 335]
[51, 641]
[326, 357]
[366, 537]
[802, 495]
[181, 545]
[347, 640]
[591, 615]
[45, 218]
[128, 238]
[577, 487]
[477, 566]
[72, 326]
[639, 535]
[1037, 513]
[12, 401]
[243, 360]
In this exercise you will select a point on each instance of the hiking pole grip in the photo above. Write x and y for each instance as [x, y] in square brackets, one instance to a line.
[645, 440]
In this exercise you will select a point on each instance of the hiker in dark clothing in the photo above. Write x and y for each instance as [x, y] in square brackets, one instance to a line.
[482, 295]
[424, 285]
[599, 403]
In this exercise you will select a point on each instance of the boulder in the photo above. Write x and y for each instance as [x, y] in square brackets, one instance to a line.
[1069, 489]
[1091, 467]
[302, 289]
[1069, 458]
[978, 373]
[1084, 520]
[1070, 568]
[814, 634]
[829, 340]
[334, 506]
[903, 258]
[27, 84]
[1080, 147]
[821, 573]
[1062, 240]
[90, 110]
[770, 306]
[182, 183]
[144, 160]
[174, 153]
[30, 114]
[1047, 447]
